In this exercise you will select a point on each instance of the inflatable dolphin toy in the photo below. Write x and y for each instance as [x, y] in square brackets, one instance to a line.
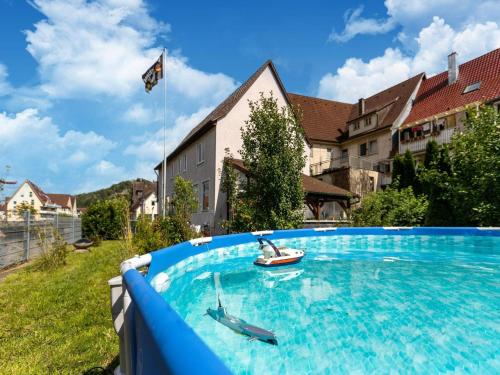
[241, 326]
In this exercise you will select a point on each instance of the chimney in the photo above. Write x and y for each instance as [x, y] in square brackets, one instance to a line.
[361, 106]
[452, 68]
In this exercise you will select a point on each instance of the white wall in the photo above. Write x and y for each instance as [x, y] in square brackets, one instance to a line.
[228, 131]
[23, 194]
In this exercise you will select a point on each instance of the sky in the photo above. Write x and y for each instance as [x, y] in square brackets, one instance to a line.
[74, 115]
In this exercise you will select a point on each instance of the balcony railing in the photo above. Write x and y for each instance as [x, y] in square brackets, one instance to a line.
[417, 145]
[336, 163]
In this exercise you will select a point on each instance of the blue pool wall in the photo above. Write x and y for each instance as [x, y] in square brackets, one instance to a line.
[162, 342]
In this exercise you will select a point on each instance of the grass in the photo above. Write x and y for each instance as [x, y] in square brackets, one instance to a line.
[59, 321]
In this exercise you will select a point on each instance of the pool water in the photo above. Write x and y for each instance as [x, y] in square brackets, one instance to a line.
[355, 304]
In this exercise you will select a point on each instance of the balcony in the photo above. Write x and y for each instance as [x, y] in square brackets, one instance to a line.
[351, 162]
[418, 144]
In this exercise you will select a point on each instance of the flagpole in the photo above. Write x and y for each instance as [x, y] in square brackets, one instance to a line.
[164, 66]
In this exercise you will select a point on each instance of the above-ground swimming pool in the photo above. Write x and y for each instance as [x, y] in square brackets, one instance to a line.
[361, 301]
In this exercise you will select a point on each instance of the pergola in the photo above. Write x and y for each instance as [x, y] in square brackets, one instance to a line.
[317, 192]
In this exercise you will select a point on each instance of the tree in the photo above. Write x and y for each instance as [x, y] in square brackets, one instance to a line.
[391, 207]
[184, 203]
[432, 154]
[403, 171]
[273, 152]
[229, 185]
[24, 207]
[475, 161]
[106, 219]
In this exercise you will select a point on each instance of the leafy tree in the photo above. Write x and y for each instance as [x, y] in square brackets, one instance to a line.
[391, 207]
[24, 207]
[229, 185]
[184, 203]
[273, 152]
[432, 154]
[475, 160]
[106, 219]
[403, 171]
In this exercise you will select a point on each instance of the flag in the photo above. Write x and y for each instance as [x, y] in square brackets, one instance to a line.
[153, 74]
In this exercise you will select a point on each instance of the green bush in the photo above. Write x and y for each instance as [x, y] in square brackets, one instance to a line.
[391, 208]
[106, 219]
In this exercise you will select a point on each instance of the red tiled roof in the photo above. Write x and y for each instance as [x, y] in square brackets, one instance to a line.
[223, 108]
[61, 199]
[44, 198]
[322, 119]
[435, 96]
[396, 96]
[311, 185]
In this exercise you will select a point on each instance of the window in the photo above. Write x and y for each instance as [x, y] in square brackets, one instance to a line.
[15, 203]
[181, 160]
[372, 147]
[473, 87]
[196, 194]
[205, 201]
[356, 125]
[31, 194]
[344, 155]
[329, 150]
[372, 184]
[200, 152]
[368, 121]
[185, 158]
[32, 202]
[362, 149]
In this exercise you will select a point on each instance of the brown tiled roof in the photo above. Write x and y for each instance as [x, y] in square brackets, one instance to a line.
[436, 96]
[322, 119]
[396, 97]
[311, 185]
[139, 202]
[60, 199]
[44, 198]
[223, 108]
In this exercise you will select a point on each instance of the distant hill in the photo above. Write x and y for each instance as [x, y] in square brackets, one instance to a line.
[123, 189]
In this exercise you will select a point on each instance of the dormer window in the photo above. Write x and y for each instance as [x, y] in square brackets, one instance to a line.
[368, 121]
[473, 87]
[356, 125]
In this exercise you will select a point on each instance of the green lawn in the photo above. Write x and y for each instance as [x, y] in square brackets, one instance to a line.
[59, 321]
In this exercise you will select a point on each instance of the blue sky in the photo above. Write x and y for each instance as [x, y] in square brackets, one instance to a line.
[73, 112]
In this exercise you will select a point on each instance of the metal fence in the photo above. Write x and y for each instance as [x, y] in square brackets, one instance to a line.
[20, 240]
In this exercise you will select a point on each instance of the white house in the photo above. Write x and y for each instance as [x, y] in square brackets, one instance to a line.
[200, 154]
[46, 205]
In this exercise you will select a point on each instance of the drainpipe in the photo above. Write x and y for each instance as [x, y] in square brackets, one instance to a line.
[122, 310]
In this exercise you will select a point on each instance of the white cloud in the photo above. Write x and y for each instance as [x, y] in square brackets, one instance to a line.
[355, 25]
[5, 87]
[357, 78]
[150, 147]
[104, 47]
[413, 15]
[35, 147]
[139, 114]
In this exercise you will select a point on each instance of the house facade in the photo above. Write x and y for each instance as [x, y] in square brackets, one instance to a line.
[200, 155]
[353, 143]
[439, 109]
[144, 199]
[45, 205]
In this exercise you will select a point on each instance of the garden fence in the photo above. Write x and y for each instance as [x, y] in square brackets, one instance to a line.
[20, 240]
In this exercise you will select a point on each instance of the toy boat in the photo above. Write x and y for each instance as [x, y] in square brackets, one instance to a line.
[240, 326]
[273, 256]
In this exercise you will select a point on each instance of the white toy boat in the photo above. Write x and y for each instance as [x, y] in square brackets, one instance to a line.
[273, 256]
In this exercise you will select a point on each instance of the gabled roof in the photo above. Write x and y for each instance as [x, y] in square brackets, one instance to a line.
[396, 97]
[61, 199]
[435, 96]
[322, 119]
[311, 185]
[224, 108]
[139, 202]
[42, 196]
